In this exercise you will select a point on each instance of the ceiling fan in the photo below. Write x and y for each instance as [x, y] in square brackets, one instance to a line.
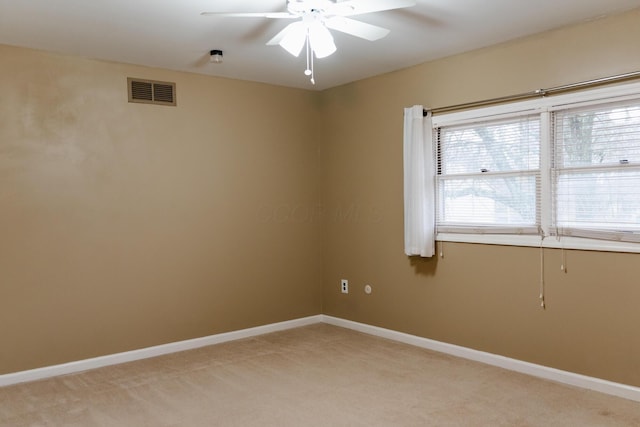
[314, 19]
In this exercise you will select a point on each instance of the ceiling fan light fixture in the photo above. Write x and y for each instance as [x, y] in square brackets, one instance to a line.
[321, 40]
[294, 39]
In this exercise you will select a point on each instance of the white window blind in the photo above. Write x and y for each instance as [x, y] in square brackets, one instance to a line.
[596, 172]
[488, 176]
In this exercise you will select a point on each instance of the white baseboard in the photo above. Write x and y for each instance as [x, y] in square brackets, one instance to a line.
[144, 353]
[552, 374]
[564, 377]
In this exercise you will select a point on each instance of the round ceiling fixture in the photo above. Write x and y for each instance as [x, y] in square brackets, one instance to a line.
[216, 56]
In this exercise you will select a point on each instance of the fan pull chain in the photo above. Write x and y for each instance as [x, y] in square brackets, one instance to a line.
[313, 80]
[309, 70]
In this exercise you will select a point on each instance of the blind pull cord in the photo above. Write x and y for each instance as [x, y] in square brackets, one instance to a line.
[542, 302]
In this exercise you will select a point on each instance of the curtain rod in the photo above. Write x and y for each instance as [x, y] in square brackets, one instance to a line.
[537, 93]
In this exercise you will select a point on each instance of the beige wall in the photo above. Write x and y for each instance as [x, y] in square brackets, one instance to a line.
[478, 296]
[124, 225]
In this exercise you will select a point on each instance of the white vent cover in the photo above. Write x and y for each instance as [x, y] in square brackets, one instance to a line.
[151, 92]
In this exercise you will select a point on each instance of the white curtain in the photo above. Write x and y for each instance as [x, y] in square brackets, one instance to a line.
[419, 184]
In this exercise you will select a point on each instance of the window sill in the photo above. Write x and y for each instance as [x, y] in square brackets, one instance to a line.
[534, 241]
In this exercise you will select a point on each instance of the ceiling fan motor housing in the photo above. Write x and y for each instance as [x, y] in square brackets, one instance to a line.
[303, 7]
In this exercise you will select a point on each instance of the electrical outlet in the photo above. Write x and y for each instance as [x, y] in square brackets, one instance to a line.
[344, 286]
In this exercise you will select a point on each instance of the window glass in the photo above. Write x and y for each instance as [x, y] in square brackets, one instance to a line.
[510, 145]
[488, 173]
[597, 168]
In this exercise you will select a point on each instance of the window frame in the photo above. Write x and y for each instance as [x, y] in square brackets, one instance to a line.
[544, 106]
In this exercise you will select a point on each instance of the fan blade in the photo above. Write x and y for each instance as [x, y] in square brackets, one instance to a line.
[278, 37]
[359, 7]
[272, 15]
[356, 28]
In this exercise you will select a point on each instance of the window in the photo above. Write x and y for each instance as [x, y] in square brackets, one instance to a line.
[488, 176]
[596, 172]
[566, 166]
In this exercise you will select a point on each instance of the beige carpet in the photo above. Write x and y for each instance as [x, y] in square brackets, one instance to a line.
[318, 375]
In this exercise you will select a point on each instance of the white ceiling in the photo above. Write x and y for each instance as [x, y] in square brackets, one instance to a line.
[172, 34]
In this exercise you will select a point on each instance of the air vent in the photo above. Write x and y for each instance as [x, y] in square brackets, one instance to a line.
[151, 92]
